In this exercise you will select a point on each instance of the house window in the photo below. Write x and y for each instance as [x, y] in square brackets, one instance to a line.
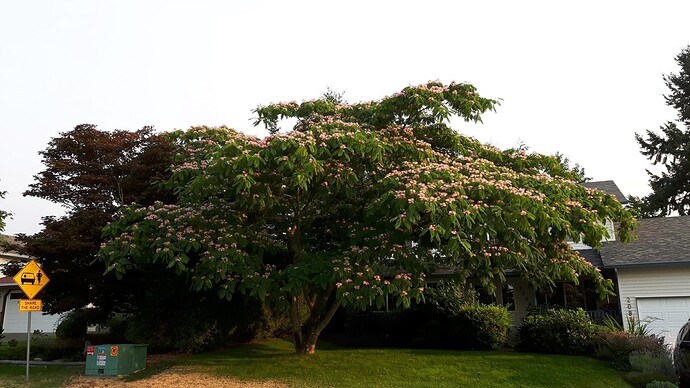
[16, 295]
[483, 296]
[433, 285]
[611, 230]
[574, 296]
[552, 297]
[389, 304]
[580, 244]
[508, 293]
[591, 299]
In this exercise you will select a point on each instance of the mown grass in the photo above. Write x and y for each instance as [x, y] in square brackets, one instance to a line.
[335, 367]
[13, 376]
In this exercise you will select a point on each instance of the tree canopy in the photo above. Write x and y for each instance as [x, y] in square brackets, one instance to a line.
[3, 213]
[359, 201]
[90, 168]
[671, 149]
[92, 173]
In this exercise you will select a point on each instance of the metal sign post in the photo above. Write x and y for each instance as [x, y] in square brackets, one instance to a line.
[31, 279]
[28, 343]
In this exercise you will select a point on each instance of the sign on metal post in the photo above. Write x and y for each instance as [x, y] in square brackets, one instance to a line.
[31, 279]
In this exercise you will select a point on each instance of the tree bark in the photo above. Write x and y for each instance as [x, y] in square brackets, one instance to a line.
[306, 335]
[295, 324]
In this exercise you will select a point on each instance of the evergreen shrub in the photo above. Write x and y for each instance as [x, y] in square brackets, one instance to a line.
[479, 327]
[557, 331]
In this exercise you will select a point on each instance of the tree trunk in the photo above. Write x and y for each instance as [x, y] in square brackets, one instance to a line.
[295, 324]
[306, 335]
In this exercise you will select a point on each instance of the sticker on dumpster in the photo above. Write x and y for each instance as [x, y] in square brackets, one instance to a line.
[100, 357]
[114, 350]
[89, 350]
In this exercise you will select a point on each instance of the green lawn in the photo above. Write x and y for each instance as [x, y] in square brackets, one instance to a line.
[332, 366]
[13, 376]
[344, 367]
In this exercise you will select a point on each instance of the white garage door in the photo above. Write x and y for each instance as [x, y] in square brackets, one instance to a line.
[665, 315]
[15, 321]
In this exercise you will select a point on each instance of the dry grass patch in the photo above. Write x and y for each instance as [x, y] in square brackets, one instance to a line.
[177, 376]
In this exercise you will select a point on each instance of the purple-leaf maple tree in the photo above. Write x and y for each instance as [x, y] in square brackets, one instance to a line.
[92, 173]
[360, 201]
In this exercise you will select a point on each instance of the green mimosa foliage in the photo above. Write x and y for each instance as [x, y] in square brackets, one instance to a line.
[360, 201]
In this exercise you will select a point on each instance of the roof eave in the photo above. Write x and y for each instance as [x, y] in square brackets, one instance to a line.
[643, 265]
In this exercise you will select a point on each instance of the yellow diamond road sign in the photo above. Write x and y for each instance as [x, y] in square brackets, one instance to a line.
[31, 279]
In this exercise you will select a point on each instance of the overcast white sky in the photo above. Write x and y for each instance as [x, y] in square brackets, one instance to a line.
[576, 77]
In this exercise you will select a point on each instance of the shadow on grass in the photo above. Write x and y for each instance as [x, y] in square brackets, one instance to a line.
[271, 349]
[333, 365]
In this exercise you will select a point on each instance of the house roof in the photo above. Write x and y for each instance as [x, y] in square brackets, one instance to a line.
[7, 281]
[9, 240]
[7, 248]
[608, 187]
[661, 240]
[592, 257]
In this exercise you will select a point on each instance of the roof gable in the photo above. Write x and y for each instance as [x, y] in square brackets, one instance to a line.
[608, 187]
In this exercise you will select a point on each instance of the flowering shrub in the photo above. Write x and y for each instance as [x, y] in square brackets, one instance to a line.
[617, 346]
[557, 330]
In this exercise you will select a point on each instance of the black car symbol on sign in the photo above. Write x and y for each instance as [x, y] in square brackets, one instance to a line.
[28, 278]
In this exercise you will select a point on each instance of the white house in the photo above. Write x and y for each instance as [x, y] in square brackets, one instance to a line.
[653, 274]
[518, 296]
[651, 278]
[12, 321]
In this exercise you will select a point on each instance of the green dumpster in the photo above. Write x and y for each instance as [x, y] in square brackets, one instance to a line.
[115, 359]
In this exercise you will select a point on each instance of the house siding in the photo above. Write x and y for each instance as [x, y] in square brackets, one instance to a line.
[15, 321]
[523, 299]
[645, 282]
